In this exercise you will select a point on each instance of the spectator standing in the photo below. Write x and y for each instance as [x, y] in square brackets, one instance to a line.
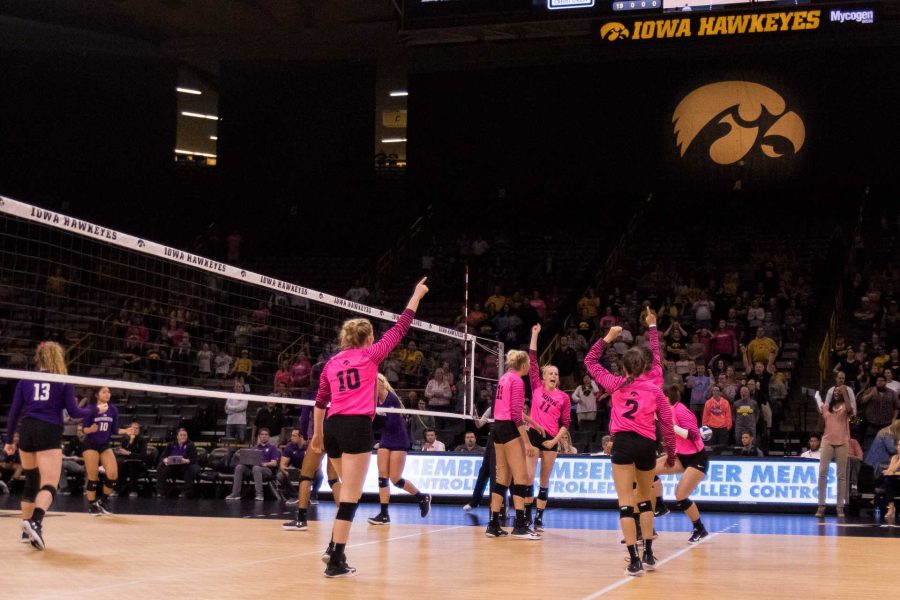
[419, 424]
[717, 416]
[222, 363]
[236, 414]
[565, 359]
[496, 301]
[204, 362]
[851, 368]
[438, 392]
[131, 454]
[881, 407]
[761, 347]
[836, 414]
[723, 342]
[699, 384]
[746, 415]
[269, 417]
[585, 398]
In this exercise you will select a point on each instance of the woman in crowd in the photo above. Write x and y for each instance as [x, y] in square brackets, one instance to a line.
[348, 389]
[892, 486]
[511, 448]
[691, 461]
[550, 412]
[836, 414]
[98, 428]
[40, 406]
[392, 456]
[636, 403]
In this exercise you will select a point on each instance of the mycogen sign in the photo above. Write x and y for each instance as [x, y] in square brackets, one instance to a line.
[709, 26]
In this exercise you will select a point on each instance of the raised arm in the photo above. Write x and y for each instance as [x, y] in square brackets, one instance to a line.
[380, 349]
[606, 379]
[534, 372]
[653, 336]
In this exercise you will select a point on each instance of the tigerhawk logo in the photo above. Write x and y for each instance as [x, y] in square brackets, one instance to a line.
[614, 31]
[752, 113]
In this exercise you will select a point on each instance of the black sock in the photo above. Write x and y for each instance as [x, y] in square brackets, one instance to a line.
[660, 503]
[539, 513]
[38, 515]
[528, 508]
[495, 518]
[698, 524]
[384, 508]
[337, 554]
[648, 545]
[301, 514]
[520, 518]
[420, 496]
[633, 551]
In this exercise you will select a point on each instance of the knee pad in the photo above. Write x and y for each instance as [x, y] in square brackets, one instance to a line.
[333, 482]
[32, 483]
[50, 489]
[684, 504]
[382, 482]
[520, 490]
[305, 478]
[92, 485]
[543, 494]
[111, 483]
[346, 511]
[400, 483]
[626, 512]
[645, 506]
[499, 489]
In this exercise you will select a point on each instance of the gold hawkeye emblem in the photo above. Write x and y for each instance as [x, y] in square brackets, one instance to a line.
[739, 105]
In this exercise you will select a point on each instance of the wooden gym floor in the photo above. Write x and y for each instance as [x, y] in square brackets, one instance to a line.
[147, 556]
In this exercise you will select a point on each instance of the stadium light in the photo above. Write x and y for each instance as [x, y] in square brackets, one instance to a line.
[199, 115]
[399, 93]
[188, 91]
[393, 140]
[191, 153]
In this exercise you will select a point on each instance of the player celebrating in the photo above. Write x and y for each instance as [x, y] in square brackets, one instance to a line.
[349, 383]
[551, 412]
[636, 399]
[40, 405]
[511, 448]
[98, 427]
[392, 456]
[691, 460]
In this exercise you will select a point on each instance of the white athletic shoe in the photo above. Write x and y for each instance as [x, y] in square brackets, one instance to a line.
[467, 507]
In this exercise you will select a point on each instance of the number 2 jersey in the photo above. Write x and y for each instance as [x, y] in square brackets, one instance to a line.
[44, 401]
[107, 425]
[635, 401]
[548, 409]
[349, 380]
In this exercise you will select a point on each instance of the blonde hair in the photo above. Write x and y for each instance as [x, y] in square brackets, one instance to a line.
[383, 381]
[355, 332]
[51, 358]
[516, 359]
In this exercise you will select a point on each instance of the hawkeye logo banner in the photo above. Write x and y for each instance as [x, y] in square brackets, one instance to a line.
[697, 26]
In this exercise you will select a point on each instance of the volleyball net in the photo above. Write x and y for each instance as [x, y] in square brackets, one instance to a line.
[167, 329]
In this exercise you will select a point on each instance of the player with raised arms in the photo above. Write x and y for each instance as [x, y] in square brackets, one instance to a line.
[40, 405]
[98, 428]
[691, 460]
[348, 388]
[636, 400]
[512, 448]
[552, 416]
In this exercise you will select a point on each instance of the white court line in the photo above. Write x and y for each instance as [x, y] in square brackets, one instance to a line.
[628, 578]
[83, 591]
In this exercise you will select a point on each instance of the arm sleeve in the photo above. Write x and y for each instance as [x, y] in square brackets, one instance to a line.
[653, 336]
[601, 375]
[664, 412]
[566, 416]
[75, 411]
[689, 423]
[15, 411]
[517, 401]
[378, 351]
[534, 373]
[323, 396]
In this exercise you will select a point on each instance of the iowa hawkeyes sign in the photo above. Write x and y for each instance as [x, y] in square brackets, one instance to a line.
[735, 119]
[697, 26]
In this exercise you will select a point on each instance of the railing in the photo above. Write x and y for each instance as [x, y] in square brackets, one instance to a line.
[88, 342]
[388, 260]
[834, 321]
[300, 345]
[608, 265]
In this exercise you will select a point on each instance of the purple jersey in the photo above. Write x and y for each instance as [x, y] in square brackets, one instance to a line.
[394, 435]
[305, 423]
[44, 401]
[268, 452]
[294, 454]
[107, 423]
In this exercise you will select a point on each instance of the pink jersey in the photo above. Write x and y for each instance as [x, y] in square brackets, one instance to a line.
[634, 401]
[349, 380]
[548, 409]
[510, 399]
[685, 419]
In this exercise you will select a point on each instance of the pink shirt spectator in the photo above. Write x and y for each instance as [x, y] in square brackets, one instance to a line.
[837, 426]
[510, 400]
[548, 409]
[350, 378]
[301, 372]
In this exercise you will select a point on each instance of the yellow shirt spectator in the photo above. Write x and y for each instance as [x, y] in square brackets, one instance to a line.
[495, 303]
[760, 348]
